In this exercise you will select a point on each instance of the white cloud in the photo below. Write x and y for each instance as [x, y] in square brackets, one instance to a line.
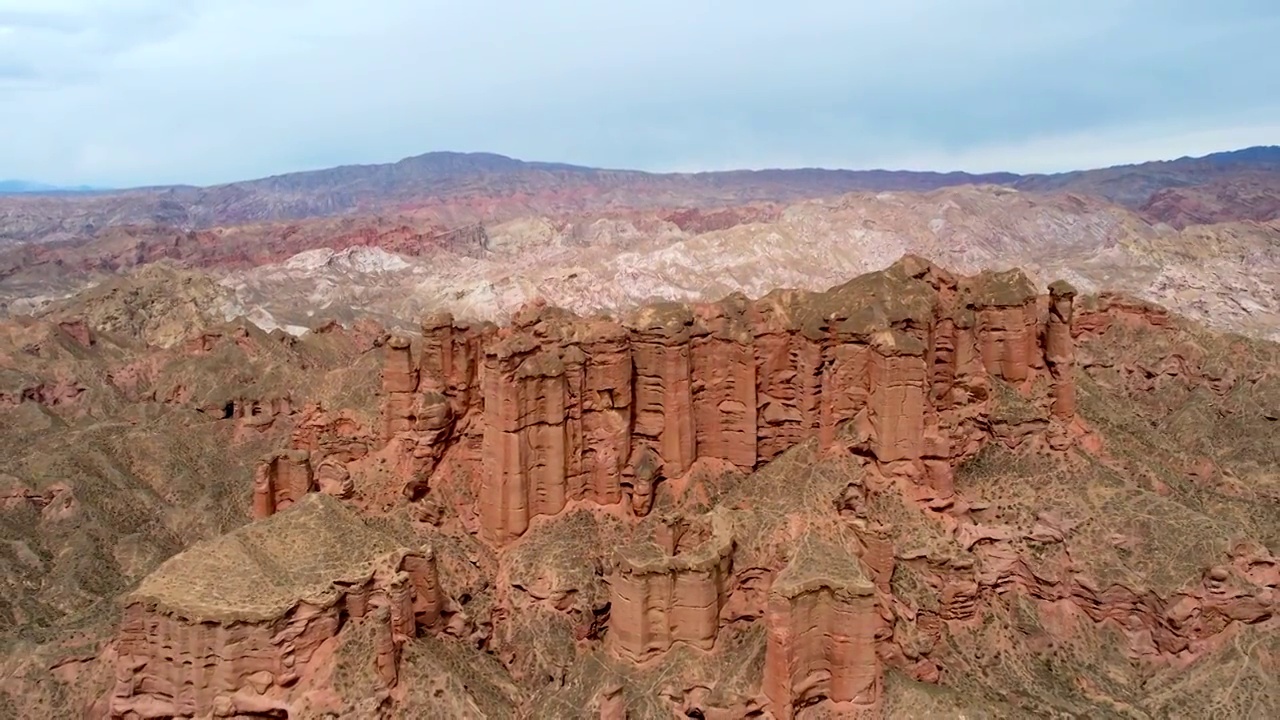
[149, 91]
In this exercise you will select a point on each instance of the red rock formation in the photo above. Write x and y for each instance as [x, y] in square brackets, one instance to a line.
[897, 368]
[822, 623]
[789, 376]
[527, 438]
[900, 376]
[59, 394]
[281, 479]
[722, 361]
[227, 668]
[669, 590]
[448, 360]
[333, 442]
[1007, 326]
[1060, 350]
[663, 385]
[195, 640]
[566, 407]
[399, 383]
[606, 408]
[78, 330]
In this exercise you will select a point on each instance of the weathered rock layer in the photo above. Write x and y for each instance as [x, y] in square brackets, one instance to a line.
[217, 631]
[570, 409]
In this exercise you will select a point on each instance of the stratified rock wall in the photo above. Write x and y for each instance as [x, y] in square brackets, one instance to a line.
[723, 363]
[663, 381]
[1007, 324]
[212, 632]
[171, 667]
[821, 566]
[789, 376]
[526, 436]
[822, 644]
[897, 368]
[568, 409]
[669, 590]
[606, 410]
[280, 480]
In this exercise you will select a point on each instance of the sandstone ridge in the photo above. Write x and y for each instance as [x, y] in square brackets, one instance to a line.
[556, 409]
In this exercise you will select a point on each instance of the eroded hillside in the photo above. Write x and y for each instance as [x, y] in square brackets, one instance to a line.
[914, 494]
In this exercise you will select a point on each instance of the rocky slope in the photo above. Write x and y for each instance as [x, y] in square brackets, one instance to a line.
[480, 234]
[913, 493]
[1249, 196]
[1223, 274]
[1134, 185]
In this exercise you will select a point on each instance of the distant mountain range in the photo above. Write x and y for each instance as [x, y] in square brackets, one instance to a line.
[457, 188]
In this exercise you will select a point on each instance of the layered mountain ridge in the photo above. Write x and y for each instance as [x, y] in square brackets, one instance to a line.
[471, 187]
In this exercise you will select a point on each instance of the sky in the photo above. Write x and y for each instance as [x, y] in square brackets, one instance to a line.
[118, 93]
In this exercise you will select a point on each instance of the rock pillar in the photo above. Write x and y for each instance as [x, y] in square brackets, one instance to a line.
[1060, 350]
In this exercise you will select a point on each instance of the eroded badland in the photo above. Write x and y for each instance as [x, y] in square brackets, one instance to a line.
[915, 494]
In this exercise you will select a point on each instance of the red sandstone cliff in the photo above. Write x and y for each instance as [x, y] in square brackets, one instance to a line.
[193, 644]
[569, 409]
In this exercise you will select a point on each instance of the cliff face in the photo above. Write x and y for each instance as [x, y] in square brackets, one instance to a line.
[570, 409]
[217, 630]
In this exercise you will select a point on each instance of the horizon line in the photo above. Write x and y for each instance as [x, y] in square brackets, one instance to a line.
[42, 188]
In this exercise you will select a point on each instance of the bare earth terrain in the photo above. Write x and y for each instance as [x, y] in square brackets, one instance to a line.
[393, 442]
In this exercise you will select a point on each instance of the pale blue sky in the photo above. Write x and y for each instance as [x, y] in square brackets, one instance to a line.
[126, 92]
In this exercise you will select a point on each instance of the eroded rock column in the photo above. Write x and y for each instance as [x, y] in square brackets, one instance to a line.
[1007, 324]
[898, 396]
[788, 385]
[847, 382]
[663, 385]
[428, 596]
[281, 479]
[399, 383]
[724, 385]
[450, 359]
[821, 625]
[525, 442]
[606, 412]
[669, 590]
[1060, 351]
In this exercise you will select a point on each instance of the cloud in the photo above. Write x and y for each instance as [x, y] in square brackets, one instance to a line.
[157, 91]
